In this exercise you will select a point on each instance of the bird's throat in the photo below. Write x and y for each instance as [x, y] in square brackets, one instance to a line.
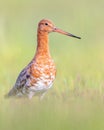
[42, 44]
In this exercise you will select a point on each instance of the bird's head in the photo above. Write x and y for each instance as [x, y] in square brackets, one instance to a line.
[47, 26]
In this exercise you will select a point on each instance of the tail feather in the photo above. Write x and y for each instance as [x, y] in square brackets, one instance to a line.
[12, 92]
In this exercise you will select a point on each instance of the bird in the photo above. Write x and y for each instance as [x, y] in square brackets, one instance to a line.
[38, 76]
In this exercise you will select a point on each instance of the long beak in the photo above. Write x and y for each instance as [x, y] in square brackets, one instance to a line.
[65, 33]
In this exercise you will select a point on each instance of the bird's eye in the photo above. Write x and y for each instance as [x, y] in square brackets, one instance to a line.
[46, 24]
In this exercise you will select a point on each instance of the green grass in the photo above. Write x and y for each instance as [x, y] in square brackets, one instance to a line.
[76, 101]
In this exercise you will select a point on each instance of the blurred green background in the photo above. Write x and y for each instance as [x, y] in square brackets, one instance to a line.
[76, 100]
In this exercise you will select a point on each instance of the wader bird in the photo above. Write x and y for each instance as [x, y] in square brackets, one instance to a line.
[38, 76]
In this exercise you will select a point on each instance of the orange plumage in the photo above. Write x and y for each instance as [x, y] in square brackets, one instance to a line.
[38, 76]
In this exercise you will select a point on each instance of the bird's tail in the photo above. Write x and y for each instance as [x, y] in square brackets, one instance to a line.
[11, 93]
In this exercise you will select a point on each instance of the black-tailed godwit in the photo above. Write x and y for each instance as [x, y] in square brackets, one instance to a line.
[38, 76]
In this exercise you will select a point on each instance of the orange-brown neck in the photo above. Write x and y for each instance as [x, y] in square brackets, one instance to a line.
[42, 44]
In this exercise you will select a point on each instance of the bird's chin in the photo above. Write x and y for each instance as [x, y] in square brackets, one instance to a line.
[50, 31]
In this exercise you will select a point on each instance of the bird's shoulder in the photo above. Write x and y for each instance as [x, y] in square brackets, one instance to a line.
[27, 75]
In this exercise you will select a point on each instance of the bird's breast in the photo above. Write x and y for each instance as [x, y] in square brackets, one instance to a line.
[43, 74]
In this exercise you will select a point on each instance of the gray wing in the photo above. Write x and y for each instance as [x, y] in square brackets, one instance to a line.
[20, 83]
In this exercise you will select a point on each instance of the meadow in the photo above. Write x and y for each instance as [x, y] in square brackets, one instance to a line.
[76, 100]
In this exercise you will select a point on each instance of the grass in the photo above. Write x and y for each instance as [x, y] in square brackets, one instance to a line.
[76, 100]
